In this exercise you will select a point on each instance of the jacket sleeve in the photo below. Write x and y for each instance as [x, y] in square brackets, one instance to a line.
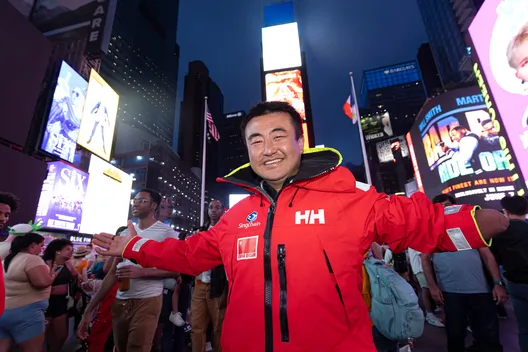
[415, 222]
[194, 255]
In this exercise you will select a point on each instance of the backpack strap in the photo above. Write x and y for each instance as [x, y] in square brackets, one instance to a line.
[365, 289]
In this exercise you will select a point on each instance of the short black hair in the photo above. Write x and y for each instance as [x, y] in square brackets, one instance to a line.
[154, 196]
[444, 198]
[515, 205]
[11, 200]
[458, 128]
[271, 107]
[120, 229]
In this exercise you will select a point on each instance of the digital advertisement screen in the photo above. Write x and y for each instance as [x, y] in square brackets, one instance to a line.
[64, 119]
[500, 37]
[107, 198]
[376, 126]
[235, 198]
[392, 149]
[62, 200]
[99, 117]
[287, 86]
[280, 47]
[458, 150]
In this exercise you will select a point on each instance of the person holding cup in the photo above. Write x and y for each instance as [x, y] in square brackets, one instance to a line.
[137, 306]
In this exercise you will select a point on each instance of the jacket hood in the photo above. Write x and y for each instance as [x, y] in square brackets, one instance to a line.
[315, 163]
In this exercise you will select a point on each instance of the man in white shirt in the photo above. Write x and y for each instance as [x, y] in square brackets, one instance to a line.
[135, 311]
[208, 299]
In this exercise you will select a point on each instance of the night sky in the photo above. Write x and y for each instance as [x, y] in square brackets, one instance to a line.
[338, 36]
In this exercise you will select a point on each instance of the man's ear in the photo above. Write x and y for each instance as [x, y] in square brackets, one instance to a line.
[300, 142]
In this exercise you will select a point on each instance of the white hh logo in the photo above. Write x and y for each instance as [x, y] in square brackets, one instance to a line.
[310, 217]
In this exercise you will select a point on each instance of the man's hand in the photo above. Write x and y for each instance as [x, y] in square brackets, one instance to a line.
[491, 223]
[114, 245]
[129, 272]
[437, 295]
[499, 294]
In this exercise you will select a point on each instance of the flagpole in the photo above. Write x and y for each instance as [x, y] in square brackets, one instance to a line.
[204, 153]
[362, 140]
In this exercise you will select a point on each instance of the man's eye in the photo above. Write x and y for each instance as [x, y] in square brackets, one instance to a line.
[255, 142]
[278, 137]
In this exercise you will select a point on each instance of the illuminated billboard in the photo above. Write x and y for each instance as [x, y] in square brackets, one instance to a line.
[99, 117]
[62, 200]
[107, 198]
[287, 86]
[392, 149]
[280, 47]
[457, 150]
[376, 126]
[500, 37]
[64, 119]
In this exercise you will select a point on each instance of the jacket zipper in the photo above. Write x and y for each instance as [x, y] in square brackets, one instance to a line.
[331, 271]
[283, 313]
[268, 320]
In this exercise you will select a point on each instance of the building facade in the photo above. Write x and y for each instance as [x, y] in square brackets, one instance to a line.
[430, 76]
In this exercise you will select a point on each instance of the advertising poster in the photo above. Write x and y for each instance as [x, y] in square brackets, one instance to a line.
[107, 198]
[376, 126]
[64, 119]
[99, 117]
[392, 149]
[61, 203]
[500, 38]
[286, 86]
[458, 150]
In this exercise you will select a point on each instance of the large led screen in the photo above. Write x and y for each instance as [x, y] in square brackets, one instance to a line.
[287, 86]
[458, 150]
[107, 198]
[280, 47]
[500, 38]
[64, 119]
[376, 126]
[62, 200]
[99, 117]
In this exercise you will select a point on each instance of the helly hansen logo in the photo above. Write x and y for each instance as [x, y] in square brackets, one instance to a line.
[310, 217]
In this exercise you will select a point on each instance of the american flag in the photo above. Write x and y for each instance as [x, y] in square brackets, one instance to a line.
[213, 131]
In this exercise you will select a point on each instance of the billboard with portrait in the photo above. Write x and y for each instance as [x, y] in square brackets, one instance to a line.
[61, 203]
[457, 149]
[392, 149]
[287, 86]
[64, 119]
[107, 198]
[500, 37]
[99, 117]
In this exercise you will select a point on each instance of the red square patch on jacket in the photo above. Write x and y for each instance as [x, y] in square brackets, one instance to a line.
[247, 248]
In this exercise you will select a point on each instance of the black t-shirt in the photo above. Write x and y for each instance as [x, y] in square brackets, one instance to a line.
[511, 251]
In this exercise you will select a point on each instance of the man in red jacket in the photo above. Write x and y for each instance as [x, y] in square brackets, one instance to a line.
[293, 250]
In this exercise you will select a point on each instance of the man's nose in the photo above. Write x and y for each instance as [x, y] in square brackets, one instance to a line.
[269, 148]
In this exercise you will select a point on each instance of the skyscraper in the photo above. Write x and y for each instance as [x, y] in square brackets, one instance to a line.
[446, 39]
[430, 76]
[142, 66]
[234, 151]
[198, 85]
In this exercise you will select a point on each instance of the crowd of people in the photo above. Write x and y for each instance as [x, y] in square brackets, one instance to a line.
[286, 255]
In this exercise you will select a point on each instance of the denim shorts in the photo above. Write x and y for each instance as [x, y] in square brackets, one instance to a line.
[23, 323]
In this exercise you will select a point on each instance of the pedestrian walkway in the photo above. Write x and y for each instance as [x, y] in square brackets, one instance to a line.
[435, 340]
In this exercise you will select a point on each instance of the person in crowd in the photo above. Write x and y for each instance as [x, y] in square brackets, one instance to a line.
[136, 310]
[28, 285]
[417, 268]
[101, 330]
[90, 257]
[208, 298]
[58, 253]
[511, 251]
[295, 231]
[462, 288]
[80, 262]
[9, 204]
